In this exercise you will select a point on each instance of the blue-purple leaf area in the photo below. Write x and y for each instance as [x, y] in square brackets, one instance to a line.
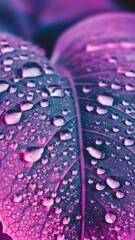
[67, 134]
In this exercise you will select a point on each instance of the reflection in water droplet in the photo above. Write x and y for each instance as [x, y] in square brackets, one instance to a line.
[31, 69]
[105, 100]
[32, 154]
[12, 117]
[112, 182]
[110, 217]
[95, 153]
[58, 121]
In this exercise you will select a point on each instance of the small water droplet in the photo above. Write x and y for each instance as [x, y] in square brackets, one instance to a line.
[89, 108]
[48, 202]
[31, 69]
[44, 103]
[25, 106]
[112, 182]
[100, 171]
[100, 186]
[12, 117]
[101, 111]
[110, 217]
[3, 86]
[17, 199]
[128, 142]
[65, 135]
[120, 194]
[105, 100]
[95, 153]
[56, 91]
[66, 220]
[32, 154]
[58, 121]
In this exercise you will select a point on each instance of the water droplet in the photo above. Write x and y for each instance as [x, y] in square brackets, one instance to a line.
[8, 61]
[105, 100]
[130, 74]
[95, 153]
[31, 70]
[100, 186]
[12, 117]
[65, 135]
[44, 103]
[3, 86]
[25, 106]
[17, 199]
[48, 202]
[101, 111]
[110, 217]
[55, 91]
[60, 237]
[128, 142]
[120, 194]
[89, 108]
[100, 171]
[58, 121]
[112, 182]
[65, 220]
[32, 154]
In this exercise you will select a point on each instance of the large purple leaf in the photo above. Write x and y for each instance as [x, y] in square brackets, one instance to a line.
[67, 135]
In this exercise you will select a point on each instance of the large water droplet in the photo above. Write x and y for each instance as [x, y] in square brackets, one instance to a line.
[112, 182]
[58, 121]
[95, 153]
[31, 70]
[105, 100]
[32, 154]
[12, 117]
[110, 217]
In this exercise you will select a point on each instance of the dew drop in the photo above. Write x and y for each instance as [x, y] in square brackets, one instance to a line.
[128, 142]
[3, 86]
[110, 217]
[66, 220]
[32, 154]
[25, 106]
[17, 199]
[105, 100]
[56, 91]
[65, 135]
[95, 153]
[100, 186]
[31, 70]
[12, 117]
[120, 194]
[44, 103]
[101, 111]
[89, 108]
[58, 121]
[100, 171]
[48, 202]
[112, 182]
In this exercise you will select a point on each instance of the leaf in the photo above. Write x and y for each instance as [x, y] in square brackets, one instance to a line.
[67, 134]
